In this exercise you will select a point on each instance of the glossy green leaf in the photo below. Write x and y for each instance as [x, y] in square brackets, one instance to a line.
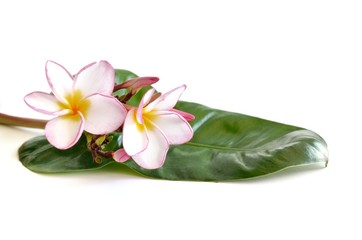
[122, 75]
[39, 155]
[225, 146]
[230, 145]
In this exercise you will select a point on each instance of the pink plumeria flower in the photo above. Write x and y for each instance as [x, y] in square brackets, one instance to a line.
[82, 102]
[149, 129]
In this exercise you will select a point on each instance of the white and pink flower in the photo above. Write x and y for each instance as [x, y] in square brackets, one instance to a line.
[151, 128]
[82, 102]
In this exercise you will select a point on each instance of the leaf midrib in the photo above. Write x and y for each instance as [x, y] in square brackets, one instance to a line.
[214, 147]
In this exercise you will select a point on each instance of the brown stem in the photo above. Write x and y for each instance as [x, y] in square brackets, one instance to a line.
[118, 87]
[22, 122]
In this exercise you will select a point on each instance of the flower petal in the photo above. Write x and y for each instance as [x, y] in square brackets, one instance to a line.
[45, 103]
[155, 154]
[97, 77]
[120, 155]
[102, 114]
[134, 137]
[187, 116]
[146, 98]
[137, 83]
[59, 80]
[168, 100]
[64, 131]
[175, 128]
[144, 101]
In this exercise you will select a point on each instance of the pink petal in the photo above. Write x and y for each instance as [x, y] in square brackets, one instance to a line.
[59, 80]
[120, 155]
[45, 103]
[134, 137]
[97, 77]
[175, 128]
[138, 83]
[64, 131]
[155, 154]
[144, 101]
[168, 100]
[187, 116]
[102, 114]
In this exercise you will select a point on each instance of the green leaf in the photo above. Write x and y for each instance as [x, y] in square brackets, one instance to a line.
[122, 75]
[230, 145]
[39, 155]
[225, 146]
[115, 142]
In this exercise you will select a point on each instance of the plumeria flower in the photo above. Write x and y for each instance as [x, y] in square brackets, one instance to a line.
[82, 102]
[149, 129]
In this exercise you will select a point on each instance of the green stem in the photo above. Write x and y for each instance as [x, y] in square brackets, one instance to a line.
[22, 122]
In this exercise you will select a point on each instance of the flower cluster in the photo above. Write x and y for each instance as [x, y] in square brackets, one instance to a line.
[86, 103]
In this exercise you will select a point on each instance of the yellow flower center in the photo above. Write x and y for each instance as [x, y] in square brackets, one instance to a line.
[76, 103]
[147, 118]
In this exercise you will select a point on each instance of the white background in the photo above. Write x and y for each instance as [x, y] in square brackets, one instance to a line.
[296, 62]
